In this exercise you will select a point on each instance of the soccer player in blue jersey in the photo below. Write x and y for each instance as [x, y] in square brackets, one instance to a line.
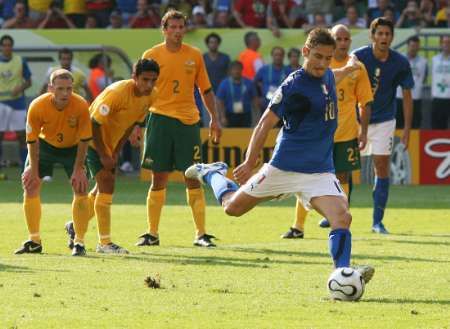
[302, 163]
[387, 70]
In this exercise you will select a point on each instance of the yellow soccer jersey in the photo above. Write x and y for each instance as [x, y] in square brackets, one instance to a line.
[60, 128]
[179, 72]
[352, 90]
[116, 109]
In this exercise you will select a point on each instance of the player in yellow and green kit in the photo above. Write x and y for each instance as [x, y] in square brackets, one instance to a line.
[114, 114]
[58, 130]
[350, 137]
[173, 131]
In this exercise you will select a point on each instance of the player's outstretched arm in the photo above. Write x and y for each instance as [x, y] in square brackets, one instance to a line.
[106, 160]
[215, 129]
[407, 114]
[122, 142]
[365, 112]
[79, 180]
[352, 65]
[244, 171]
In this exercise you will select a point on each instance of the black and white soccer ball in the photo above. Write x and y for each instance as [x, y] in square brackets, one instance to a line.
[345, 283]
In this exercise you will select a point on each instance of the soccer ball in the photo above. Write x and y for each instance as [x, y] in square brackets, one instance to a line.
[345, 283]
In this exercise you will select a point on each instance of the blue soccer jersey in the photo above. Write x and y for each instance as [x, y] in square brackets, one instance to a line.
[308, 108]
[384, 78]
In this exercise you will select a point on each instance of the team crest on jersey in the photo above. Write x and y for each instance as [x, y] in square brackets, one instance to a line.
[28, 128]
[104, 109]
[72, 121]
[189, 66]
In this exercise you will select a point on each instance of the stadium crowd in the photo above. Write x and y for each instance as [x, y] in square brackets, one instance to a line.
[272, 14]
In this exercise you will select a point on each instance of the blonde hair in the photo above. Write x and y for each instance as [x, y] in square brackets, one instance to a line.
[60, 74]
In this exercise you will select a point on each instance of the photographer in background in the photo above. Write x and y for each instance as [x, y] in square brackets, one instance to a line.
[55, 18]
[411, 16]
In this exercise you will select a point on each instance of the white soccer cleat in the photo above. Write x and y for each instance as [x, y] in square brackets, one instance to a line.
[366, 272]
[111, 248]
[199, 170]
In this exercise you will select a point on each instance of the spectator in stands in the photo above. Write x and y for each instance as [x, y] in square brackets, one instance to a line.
[80, 86]
[250, 58]
[441, 15]
[270, 76]
[101, 9]
[440, 86]
[389, 14]
[221, 13]
[20, 20]
[115, 20]
[184, 6]
[7, 9]
[318, 20]
[37, 9]
[221, 19]
[91, 22]
[282, 14]
[198, 19]
[351, 19]
[128, 8]
[216, 62]
[340, 11]
[55, 18]
[236, 97]
[75, 10]
[16, 78]
[323, 7]
[379, 11]
[250, 13]
[428, 10]
[101, 74]
[445, 23]
[146, 16]
[411, 16]
[294, 61]
[419, 68]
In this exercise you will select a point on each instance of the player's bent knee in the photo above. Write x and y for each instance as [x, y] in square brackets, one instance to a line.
[233, 210]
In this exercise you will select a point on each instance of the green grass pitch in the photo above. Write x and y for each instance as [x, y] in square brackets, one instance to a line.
[252, 280]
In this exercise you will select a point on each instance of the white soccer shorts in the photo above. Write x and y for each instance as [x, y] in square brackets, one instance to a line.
[12, 120]
[271, 181]
[380, 138]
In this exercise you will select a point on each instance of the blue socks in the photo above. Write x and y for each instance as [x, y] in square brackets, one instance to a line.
[380, 196]
[340, 243]
[220, 184]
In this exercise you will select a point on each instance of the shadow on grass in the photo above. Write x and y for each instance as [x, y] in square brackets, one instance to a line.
[212, 260]
[443, 235]
[13, 268]
[431, 243]
[266, 251]
[405, 301]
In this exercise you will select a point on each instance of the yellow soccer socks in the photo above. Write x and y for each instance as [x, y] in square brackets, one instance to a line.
[32, 210]
[300, 216]
[102, 207]
[155, 202]
[196, 199]
[83, 211]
